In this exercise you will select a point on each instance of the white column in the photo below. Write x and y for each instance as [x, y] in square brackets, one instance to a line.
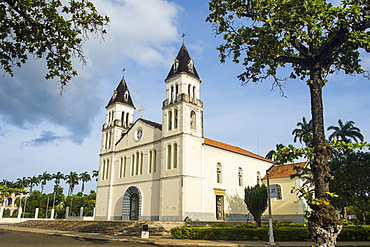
[81, 212]
[36, 213]
[52, 214]
[1, 213]
[19, 214]
[67, 212]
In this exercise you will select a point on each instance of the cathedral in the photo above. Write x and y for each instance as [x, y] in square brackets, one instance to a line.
[169, 170]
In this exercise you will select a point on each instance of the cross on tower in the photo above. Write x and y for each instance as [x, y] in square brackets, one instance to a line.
[141, 111]
[183, 37]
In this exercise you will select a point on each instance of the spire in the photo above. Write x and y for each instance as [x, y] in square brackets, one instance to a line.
[121, 94]
[183, 63]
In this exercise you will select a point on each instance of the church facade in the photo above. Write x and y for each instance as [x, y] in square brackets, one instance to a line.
[170, 171]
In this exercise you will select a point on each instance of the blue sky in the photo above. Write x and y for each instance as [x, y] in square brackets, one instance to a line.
[42, 131]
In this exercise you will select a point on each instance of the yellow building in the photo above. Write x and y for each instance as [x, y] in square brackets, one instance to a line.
[287, 207]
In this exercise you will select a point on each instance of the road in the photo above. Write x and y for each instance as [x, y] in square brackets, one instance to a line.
[28, 239]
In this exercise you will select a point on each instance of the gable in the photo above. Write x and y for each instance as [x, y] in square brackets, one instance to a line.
[140, 133]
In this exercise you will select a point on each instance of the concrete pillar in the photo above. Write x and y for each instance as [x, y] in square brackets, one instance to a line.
[94, 213]
[81, 212]
[52, 214]
[36, 213]
[1, 213]
[67, 212]
[19, 214]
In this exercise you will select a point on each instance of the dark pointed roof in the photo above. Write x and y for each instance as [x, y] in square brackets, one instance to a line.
[183, 63]
[121, 94]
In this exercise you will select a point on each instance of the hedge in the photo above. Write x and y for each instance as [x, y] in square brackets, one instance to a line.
[282, 232]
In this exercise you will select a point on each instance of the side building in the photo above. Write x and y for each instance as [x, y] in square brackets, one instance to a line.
[170, 171]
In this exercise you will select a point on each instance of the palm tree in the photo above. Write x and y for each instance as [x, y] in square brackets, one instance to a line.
[57, 177]
[304, 132]
[44, 178]
[33, 181]
[270, 154]
[84, 177]
[72, 180]
[345, 132]
[95, 174]
[22, 182]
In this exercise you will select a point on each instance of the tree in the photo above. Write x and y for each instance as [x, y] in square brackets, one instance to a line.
[47, 29]
[22, 182]
[71, 179]
[270, 154]
[345, 132]
[33, 181]
[304, 132]
[57, 177]
[84, 177]
[95, 174]
[256, 200]
[315, 39]
[44, 178]
[352, 181]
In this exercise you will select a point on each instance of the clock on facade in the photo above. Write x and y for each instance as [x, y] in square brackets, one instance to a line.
[138, 134]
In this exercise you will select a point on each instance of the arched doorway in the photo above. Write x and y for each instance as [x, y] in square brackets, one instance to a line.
[131, 209]
[134, 207]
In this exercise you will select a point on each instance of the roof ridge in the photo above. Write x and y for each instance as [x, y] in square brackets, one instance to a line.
[234, 149]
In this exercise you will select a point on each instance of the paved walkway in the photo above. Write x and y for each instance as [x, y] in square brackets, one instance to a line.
[165, 241]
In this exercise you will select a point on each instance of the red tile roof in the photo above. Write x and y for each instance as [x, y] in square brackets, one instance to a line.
[234, 149]
[280, 171]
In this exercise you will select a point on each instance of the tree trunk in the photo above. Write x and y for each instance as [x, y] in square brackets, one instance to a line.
[324, 223]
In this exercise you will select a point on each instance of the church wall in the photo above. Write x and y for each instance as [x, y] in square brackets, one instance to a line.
[101, 203]
[170, 199]
[234, 206]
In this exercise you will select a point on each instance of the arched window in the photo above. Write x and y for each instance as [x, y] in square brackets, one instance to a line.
[193, 96]
[103, 171]
[219, 173]
[132, 165]
[259, 180]
[141, 163]
[169, 156]
[193, 120]
[137, 164]
[122, 168]
[240, 176]
[106, 173]
[152, 161]
[123, 118]
[172, 94]
[169, 120]
[176, 92]
[175, 155]
[279, 193]
[126, 119]
[189, 89]
[176, 116]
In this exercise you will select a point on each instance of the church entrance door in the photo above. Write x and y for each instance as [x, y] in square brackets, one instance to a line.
[134, 207]
[219, 207]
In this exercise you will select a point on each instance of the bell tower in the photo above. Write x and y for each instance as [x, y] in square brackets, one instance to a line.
[182, 110]
[119, 116]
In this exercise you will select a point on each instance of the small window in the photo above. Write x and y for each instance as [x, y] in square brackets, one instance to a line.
[193, 120]
[240, 176]
[176, 116]
[279, 194]
[259, 180]
[219, 173]
[169, 120]
[169, 156]
[132, 165]
[175, 155]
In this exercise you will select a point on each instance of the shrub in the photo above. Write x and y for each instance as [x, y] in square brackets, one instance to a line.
[355, 233]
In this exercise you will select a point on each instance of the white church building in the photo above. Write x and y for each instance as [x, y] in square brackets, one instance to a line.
[169, 170]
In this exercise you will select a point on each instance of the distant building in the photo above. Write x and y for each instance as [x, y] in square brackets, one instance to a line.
[287, 207]
[170, 171]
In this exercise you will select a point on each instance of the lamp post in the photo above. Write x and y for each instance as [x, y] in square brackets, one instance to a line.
[271, 230]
